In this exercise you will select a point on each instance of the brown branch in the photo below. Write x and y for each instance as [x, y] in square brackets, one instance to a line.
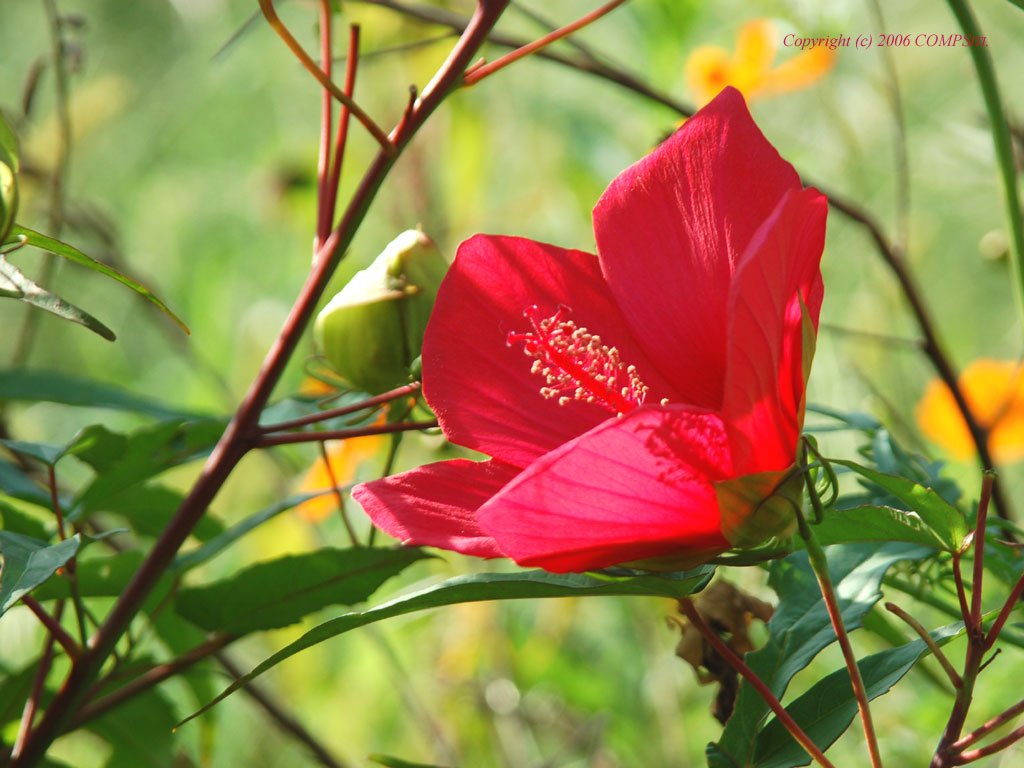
[324, 218]
[341, 138]
[480, 73]
[28, 714]
[342, 434]
[344, 410]
[284, 719]
[971, 755]
[693, 616]
[981, 731]
[278, 26]
[53, 626]
[151, 678]
[923, 633]
[238, 436]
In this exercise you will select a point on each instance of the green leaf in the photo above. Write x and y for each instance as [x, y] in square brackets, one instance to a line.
[15, 483]
[12, 280]
[105, 576]
[800, 628]
[144, 453]
[825, 711]
[283, 591]
[218, 543]
[15, 520]
[53, 387]
[487, 586]
[877, 524]
[149, 508]
[47, 453]
[140, 732]
[73, 254]
[8, 145]
[394, 762]
[27, 563]
[941, 517]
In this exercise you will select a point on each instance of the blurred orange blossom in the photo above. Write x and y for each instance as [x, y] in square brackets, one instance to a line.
[710, 68]
[994, 390]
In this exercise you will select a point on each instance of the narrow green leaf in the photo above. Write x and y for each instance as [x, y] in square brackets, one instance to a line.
[47, 453]
[148, 509]
[825, 711]
[8, 145]
[105, 576]
[941, 517]
[281, 592]
[42, 299]
[16, 483]
[218, 543]
[16, 520]
[800, 628]
[877, 524]
[27, 563]
[395, 762]
[73, 254]
[487, 586]
[53, 387]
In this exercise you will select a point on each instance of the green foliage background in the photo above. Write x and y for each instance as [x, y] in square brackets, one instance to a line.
[194, 171]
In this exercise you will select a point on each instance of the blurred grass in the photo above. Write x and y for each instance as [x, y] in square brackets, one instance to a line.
[199, 172]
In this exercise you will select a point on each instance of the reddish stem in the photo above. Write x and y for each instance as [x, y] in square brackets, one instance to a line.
[979, 552]
[324, 217]
[929, 641]
[479, 73]
[278, 26]
[238, 438]
[53, 626]
[344, 410]
[691, 613]
[1004, 614]
[342, 434]
[341, 138]
[971, 755]
[28, 714]
[961, 593]
[991, 725]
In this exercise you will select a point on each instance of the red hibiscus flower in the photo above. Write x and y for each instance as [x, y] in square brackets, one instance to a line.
[641, 405]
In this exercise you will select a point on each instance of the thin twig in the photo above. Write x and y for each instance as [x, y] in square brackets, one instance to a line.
[969, 756]
[344, 410]
[28, 714]
[70, 568]
[336, 488]
[278, 26]
[961, 593]
[923, 633]
[983, 730]
[480, 73]
[1011, 602]
[152, 677]
[286, 721]
[342, 434]
[324, 217]
[341, 137]
[53, 626]
[734, 661]
[979, 552]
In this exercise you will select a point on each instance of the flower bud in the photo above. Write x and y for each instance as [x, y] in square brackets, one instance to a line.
[756, 507]
[8, 199]
[373, 329]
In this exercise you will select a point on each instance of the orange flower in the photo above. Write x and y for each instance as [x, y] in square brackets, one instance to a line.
[994, 390]
[344, 456]
[710, 68]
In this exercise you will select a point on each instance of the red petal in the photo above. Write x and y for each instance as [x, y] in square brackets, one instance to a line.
[764, 386]
[670, 231]
[634, 487]
[435, 505]
[480, 387]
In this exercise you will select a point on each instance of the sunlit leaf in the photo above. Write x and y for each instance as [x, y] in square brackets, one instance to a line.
[281, 592]
[54, 387]
[825, 711]
[800, 628]
[47, 453]
[947, 522]
[41, 298]
[879, 524]
[487, 586]
[73, 254]
[27, 563]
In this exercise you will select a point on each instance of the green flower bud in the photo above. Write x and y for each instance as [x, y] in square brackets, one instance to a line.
[8, 199]
[372, 331]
